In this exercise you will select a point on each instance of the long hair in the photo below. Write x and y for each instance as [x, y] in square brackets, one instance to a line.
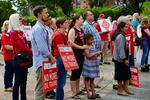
[74, 18]
[145, 22]
[14, 23]
[5, 26]
[121, 25]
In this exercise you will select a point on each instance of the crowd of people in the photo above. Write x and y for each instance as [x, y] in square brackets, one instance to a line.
[90, 44]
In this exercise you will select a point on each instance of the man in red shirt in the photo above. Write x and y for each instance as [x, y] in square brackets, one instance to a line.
[7, 51]
[104, 38]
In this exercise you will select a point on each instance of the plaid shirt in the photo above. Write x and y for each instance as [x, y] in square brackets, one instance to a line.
[89, 28]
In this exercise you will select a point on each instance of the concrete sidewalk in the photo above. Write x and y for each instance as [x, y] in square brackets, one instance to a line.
[105, 81]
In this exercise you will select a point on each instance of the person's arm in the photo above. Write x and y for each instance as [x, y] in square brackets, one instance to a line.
[8, 47]
[147, 32]
[121, 46]
[89, 55]
[6, 42]
[71, 38]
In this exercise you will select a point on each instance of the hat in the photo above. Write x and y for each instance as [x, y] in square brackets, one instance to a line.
[101, 15]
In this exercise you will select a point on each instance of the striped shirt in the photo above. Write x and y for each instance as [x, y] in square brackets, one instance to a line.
[40, 44]
[89, 28]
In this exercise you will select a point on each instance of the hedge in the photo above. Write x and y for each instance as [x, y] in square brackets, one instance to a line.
[114, 12]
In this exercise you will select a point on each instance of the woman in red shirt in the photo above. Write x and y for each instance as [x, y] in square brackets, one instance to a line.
[20, 45]
[57, 39]
[7, 51]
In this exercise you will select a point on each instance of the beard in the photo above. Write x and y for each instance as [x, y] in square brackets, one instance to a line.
[44, 19]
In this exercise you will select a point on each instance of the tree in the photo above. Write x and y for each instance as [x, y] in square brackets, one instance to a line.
[5, 11]
[134, 5]
[24, 5]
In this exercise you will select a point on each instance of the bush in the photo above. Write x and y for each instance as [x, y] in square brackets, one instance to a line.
[29, 20]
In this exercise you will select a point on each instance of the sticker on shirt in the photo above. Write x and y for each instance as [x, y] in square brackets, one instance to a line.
[7, 35]
[128, 38]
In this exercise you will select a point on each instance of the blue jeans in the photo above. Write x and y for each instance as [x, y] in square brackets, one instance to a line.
[131, 60]
[61, 79]
[146, 49]
[20, 82]
[8, 75]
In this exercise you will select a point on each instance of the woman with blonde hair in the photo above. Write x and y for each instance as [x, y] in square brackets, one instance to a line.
[145, 44]
[7, 51]
[19, 43]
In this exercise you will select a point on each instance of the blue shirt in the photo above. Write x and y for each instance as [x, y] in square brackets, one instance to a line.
[135, 23]
[89, 28]
[40, 44]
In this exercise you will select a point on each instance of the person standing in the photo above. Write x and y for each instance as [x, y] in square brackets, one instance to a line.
[7, 51]
[104, 38]
[90, 66]
[59, 38]
[76, 35]
[145, 45]
[89, 28]
[50, 94]
[40, 47]
[122, 68]
[19, 44]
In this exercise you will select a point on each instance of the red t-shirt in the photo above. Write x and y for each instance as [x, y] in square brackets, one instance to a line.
[104, 36]
[58, 38]
[129, 37]
[19, 42]
[7, 54]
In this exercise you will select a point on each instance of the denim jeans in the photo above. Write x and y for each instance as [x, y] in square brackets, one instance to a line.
[131, 60]
[61, 79]
[146, 49]
[8, 75]
[20, 82]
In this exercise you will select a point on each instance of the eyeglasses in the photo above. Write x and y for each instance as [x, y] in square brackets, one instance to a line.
[89, 14]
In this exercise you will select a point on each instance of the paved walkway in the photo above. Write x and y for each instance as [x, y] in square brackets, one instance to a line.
[105, 81]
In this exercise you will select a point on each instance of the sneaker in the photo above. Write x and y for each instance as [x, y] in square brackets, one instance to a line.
[147, 67]
[144, 70]
[8, 90]
[50, 96]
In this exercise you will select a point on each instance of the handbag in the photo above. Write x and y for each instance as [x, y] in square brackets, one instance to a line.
[138, 41]
[24, 60]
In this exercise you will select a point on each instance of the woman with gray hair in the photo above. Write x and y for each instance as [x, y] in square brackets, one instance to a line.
[7, 51]
[19, 43]
[135, 21]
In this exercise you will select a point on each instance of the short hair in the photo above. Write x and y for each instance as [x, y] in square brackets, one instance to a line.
[38, 10]
[85, 14]
[87, 37]
[60, 21]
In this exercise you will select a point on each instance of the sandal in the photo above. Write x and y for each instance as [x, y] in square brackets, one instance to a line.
[122, 93]
[76, 97]
[97, 96]
[8, 90]
[129, 92]
[92, 97]
[81, 93]
[97, 86]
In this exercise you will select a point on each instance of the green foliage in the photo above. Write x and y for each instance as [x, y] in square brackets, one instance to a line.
[29, 20]
[146, 9]
[52, 5]
[5, 11]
